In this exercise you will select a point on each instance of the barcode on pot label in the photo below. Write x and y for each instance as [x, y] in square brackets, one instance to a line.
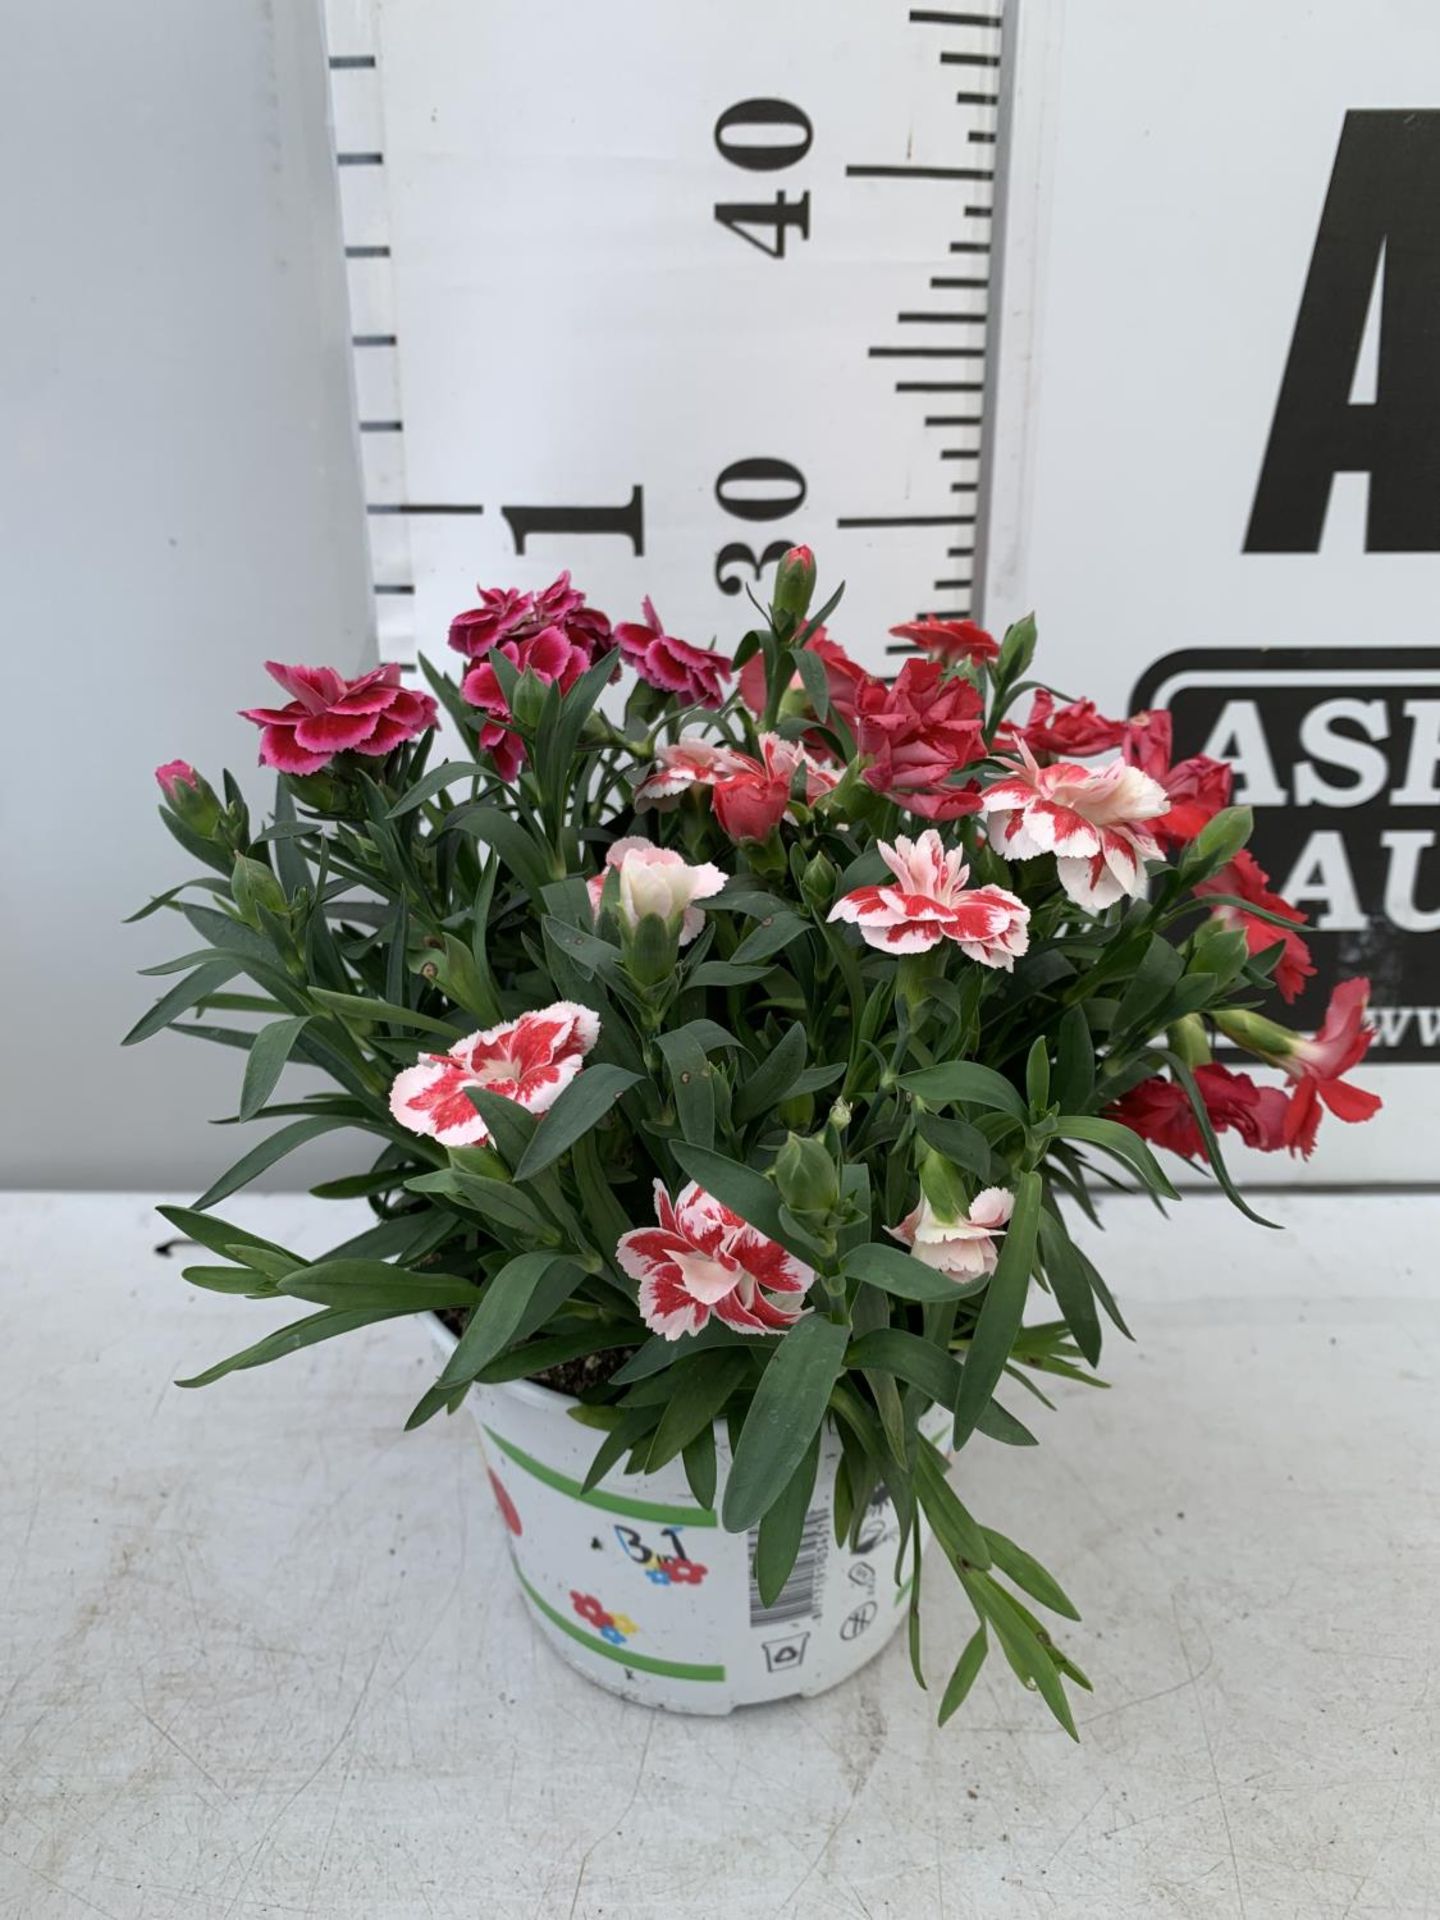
[799, 1598]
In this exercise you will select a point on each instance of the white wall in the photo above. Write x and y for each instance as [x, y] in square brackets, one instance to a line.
[179, 499]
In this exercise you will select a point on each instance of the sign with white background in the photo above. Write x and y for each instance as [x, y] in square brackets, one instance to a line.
[1216, 449]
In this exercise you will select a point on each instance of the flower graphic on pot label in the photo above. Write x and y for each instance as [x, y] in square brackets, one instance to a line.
[509, 1513]
[328, 714]
[617, 1628]
[530, 1061]
[683, 1573]
[1093, 819]
[703, 1259]
[657, 880]
[929, 902]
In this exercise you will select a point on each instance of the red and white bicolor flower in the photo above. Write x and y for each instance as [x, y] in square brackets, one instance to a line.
[1093, 819]
[530, 1061]
[703, 1259]
[691, 761]
[963, 1248]
[657, 880]
[929, 902]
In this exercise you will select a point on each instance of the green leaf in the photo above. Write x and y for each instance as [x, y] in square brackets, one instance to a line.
[246, 1280]
[493, 1200]
[219, 1235]
[1181, 1072]
[587, 950]
[1001, 1311]
[284, 1140]
[777, 1541]
[741, 1188]
[1116, 1139]
[433, 782]
[1037, 1074]
[996, 1423]
[511, 1127]
[960, 1537]
[957, 1140]
[503, 1306]
[520, 851]
[375, 1283]
[811, 669]
[967, 1670]
[1150, 987]
[300, 1333]
[197, 986]
[692, 1078]
[1029, 1575]
[701, 1388]
[784, 1417]
[771, 936]
[1074, 1080]
[920, 1362]
[1070, 1284]
[967, 1081]
[700, 1467]
[900, 1273]
[723, 973]
[588, 1098]
[1028, 1655]
[773, 1078]
[361, 1007]
[267, 1060]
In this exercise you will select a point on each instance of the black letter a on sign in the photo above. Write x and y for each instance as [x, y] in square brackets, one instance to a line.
[1384, 198]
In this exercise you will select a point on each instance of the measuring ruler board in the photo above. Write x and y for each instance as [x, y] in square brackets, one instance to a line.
[654, 292]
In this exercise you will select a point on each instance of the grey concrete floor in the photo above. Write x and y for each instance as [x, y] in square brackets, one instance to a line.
[262, 1654]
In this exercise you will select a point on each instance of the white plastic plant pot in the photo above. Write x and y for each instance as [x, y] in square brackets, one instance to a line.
[646, 1593]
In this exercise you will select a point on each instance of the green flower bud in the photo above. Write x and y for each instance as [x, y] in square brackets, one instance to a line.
[795, 582]
[806, 1175]
[1188, 1038]
[255, 889]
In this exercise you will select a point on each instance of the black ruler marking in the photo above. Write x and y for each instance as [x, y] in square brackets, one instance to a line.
[926, 18]
[396, 506]
[367, 253]
[903, 520]
[390, 586]
[382, 426]
[927, 353]
[346, 62]
[920, 173]
[359, 159]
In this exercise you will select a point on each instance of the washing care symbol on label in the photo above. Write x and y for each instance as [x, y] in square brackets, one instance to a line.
[863, 1575]
[875, 1525]
[859, 1621]
[781, 1655]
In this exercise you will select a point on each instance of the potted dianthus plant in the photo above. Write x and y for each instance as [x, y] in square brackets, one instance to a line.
[734, 1044]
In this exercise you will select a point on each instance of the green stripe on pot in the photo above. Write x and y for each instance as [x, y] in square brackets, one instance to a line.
[602, 1496]
[643, 1662]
